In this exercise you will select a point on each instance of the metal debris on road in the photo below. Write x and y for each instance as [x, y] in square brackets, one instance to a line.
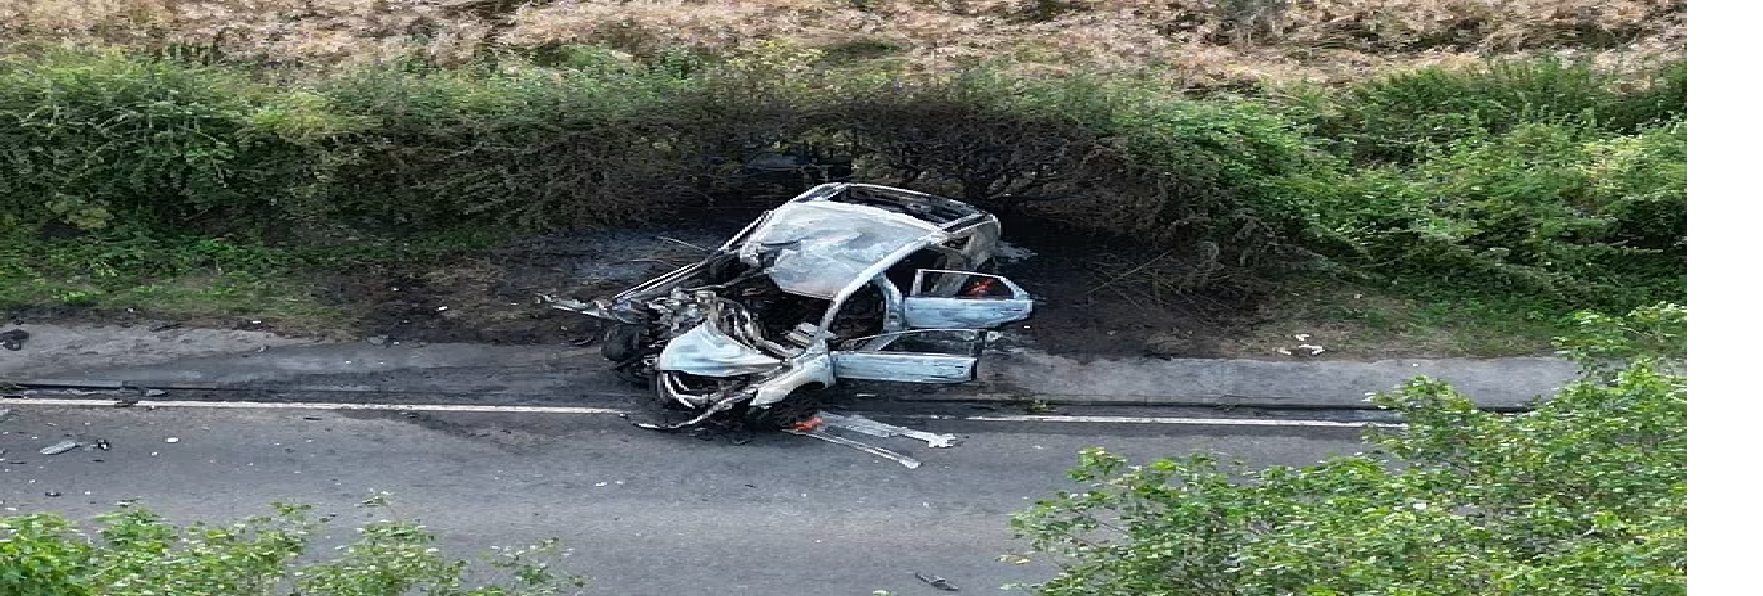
[60, 448]
[153, 393]
[872, 428]
[683, 243]
[820, 433]
[936, 582]
[171, 439]
[102, 445]
[123, 403]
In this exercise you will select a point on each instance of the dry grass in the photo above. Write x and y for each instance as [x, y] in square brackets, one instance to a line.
[1206, 42]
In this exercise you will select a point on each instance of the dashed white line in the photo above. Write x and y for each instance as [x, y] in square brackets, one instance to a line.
[37, 401]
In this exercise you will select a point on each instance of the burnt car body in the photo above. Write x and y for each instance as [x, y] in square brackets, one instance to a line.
[845, 281]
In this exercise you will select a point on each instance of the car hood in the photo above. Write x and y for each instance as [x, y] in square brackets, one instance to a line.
[818, 249]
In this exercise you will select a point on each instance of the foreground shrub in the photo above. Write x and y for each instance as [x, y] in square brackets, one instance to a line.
[1584, 495]
[135, 552]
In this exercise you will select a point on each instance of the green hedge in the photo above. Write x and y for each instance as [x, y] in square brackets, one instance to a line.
[106, 140]
[1544, 178]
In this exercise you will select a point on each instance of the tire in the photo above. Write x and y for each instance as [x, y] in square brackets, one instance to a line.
[623, 342]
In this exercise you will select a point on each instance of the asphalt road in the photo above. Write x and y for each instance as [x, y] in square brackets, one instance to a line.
[645, 512]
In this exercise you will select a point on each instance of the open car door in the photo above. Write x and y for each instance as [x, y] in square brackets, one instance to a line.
[915, 356]
[964, 300]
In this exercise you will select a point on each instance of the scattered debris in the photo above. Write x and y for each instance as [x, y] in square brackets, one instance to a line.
[936, 582]
[820, 433]
[60, 448]
[1305, 350]
[153, 393]
[51, 493]
[123, 403]
[880, 429]
[14, 339]
[1304, 347]
[845, 281]
[171, 439]
[683, 243]
[5, 413]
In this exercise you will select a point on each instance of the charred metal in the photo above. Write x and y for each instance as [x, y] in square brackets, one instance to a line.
[845, 281]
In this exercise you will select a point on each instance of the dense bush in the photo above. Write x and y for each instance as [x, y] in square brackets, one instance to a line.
[1584, 495]
[1396, 117]
[101, 140]
[136, 552]
[1559, 211]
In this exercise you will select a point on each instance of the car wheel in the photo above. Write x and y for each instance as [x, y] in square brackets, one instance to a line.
[638, 371]
[623, 342]
[661, 397]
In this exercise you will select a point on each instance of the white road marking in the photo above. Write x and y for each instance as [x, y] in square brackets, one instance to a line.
[1148, 420]
[39, 401]
[302, 405]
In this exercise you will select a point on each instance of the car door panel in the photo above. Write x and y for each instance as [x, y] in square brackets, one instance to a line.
[916, 356]
[964, 300]
[904, 367]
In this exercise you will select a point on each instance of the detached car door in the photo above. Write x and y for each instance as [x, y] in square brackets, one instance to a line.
[917, 356]
[943, 299]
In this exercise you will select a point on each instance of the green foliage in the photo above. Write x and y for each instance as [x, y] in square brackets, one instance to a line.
[1584, 495]
[1563, 212]
[1397, 117]
[96, 140]
[1602, 343]
[138, 553]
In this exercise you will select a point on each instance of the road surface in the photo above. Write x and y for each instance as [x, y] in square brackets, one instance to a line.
[645, 512]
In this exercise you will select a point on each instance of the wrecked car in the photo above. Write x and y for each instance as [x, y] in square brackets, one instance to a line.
[845, 281]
